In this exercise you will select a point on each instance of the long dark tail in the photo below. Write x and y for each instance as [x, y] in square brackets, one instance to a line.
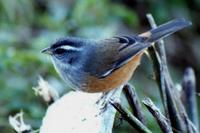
[146, 39]
[167, 29]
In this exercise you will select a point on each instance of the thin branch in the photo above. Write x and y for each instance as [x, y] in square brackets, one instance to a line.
[189, 126]
[158, 64]
[175, 117]
[131, 119]
[160, 118]
[189, 92]
[133, 101]
[165, 82]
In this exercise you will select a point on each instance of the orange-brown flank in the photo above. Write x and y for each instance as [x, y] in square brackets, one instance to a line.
[117, 78]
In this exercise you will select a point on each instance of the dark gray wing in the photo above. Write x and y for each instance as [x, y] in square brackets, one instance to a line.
[113, 53]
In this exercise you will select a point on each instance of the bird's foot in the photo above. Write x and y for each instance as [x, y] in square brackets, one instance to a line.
[104, 100]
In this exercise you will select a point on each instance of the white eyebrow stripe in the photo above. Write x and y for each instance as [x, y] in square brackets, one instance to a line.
[67, 47]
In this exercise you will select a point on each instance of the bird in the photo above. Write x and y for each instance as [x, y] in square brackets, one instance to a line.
[102, 65]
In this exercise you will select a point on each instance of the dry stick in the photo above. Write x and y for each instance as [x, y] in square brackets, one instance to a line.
[190, 127]
[131, 119]
[133, 101]
[194, 129]
[189, 92]
[165, 83]
[177, 123]
[160, 118]
[158, 65]
[187, 125]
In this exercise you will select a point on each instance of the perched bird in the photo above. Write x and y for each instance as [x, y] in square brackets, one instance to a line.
[102, 65]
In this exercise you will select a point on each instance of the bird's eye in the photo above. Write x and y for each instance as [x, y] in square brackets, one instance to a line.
[60, 51]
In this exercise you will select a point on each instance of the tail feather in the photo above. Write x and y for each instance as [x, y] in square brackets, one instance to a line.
[167, 29]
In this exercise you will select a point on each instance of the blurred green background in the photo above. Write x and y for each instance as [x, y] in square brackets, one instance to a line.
[27, 26]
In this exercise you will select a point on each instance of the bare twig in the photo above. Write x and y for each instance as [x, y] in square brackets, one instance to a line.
[193, 126]
[131, 119]
[165, 83]
[133, 101]
[189, 128]
[189, 92]
[162, 121]
[177, 123]
[158, 65]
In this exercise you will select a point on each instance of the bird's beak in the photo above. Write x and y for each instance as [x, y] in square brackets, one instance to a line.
[47, 51]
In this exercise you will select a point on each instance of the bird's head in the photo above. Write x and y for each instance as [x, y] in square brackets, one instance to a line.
[65, 52]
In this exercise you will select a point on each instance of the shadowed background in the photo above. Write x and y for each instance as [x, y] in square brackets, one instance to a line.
[26, 27]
